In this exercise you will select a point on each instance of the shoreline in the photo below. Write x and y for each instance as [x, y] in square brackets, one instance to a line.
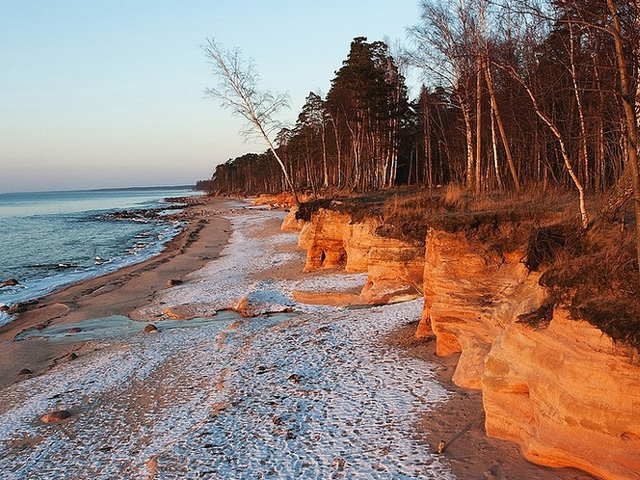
[115, 293]
[470, 454]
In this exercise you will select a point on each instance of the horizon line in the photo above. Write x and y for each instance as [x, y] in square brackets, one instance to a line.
[104, 189]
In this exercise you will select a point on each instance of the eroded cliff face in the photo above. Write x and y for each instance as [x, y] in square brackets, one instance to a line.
[566, 393]
[394, 267]
[325, 238]
[290, 223]
[563, 391]
[472, 295]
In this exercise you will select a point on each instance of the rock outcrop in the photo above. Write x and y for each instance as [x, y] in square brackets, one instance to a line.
[290, 222]
[472, 294]
[395, 270]
[565, 393]
[280, 200]
[394, 267]
[568, 395]
[325, 238]
[262, 303]
[562, 390]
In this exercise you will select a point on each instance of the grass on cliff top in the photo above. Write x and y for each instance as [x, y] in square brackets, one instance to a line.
[407, 213]
[593, 273]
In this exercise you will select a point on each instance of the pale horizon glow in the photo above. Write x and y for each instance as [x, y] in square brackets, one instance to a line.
[110, 94]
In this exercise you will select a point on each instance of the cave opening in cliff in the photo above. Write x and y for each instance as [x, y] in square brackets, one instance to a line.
[342, 261]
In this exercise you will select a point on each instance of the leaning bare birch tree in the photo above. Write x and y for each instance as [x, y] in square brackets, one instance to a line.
[238, 91]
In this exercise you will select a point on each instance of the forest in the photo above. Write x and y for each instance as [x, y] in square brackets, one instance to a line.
[516, 94]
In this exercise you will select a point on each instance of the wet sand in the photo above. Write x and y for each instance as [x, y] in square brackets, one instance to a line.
[117, 293]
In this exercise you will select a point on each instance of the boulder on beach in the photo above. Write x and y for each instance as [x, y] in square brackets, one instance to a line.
[263, 303]
[151, 328]
[17, 308]
[22, 306]
[55, 417]
[11, 282]
[189, 311]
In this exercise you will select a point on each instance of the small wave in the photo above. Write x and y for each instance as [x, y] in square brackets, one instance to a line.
[64, 266]
[5, 318]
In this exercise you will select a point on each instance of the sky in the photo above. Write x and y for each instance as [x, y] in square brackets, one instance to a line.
[100, 94]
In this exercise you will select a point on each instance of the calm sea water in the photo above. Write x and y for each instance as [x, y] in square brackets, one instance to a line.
[52, 239]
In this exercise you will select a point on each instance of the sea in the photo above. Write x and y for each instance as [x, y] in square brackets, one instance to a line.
[52, 239]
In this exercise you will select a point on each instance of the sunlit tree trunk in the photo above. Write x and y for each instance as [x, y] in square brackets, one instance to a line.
[478, 159]
[563, 150]
[629, 106]
[503, 135]
[584, 156]
[494, 145]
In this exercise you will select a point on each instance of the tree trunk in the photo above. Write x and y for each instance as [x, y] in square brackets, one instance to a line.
[629, 106]
[563, 149]
[584, 156]
[503, 135]
[494, 146]
[478, 158]
[469, 136]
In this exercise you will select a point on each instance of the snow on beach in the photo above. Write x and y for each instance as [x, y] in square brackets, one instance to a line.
[310, 395]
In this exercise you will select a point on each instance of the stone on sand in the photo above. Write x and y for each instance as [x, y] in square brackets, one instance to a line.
[151, 328]
[55, 417]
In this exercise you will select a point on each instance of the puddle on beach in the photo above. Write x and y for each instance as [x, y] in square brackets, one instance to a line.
[117, 325]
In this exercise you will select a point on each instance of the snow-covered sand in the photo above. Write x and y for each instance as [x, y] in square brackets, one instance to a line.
[316, 394]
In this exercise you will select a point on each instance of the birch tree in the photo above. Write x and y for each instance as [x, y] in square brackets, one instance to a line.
[238, 90]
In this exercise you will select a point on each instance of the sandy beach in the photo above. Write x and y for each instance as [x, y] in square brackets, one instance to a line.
[117, 293]
[310, 392]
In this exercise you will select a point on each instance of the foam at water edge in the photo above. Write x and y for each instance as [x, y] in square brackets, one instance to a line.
[5, 318]
[35, 288]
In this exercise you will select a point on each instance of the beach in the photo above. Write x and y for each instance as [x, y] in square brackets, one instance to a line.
[296, 391]
[116, 293]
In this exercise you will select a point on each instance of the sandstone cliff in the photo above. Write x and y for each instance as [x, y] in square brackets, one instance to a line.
[333, 240]
[562, 390]
[471, 295]
[566, 393]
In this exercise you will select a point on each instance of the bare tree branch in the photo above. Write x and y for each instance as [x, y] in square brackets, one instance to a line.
[238, 91]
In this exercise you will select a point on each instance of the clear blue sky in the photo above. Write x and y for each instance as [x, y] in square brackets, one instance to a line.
[100, 94]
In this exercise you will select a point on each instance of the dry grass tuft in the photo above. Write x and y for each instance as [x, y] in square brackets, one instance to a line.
[455, 196]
